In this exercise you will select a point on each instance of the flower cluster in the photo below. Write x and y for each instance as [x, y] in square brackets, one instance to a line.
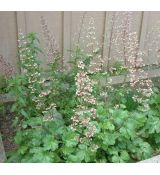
[82, 119]
[79, 117]
[89, 43]
[91, 40]
[96, 64]
[87, 37]
[38, 88]
[51, 44]
[139, 79]
[119, 38]
[30, 67]
[85, 112]
[84, 86]
[52, 48]
[125, 44]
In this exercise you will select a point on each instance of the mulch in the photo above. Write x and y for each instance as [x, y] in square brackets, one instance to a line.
[7, 131]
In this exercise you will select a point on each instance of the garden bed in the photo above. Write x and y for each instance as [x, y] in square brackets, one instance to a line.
[8, 134]
[7, 131]
[117, 122]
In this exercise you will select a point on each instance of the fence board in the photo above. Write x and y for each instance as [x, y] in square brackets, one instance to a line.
[66, 36]
[8, 37]
[118, 26]
[76, 24]
[150, 37]
[65, 26]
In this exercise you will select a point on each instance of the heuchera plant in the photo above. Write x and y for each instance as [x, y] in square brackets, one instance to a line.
[70, 117]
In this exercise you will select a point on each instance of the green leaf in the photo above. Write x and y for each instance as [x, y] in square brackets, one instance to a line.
[73, 159]
[71, 143]
[22, 101]
[77, 158]
[41, 157]
[109, 138]
[14, 106]
[154, 125]
[124, 155]
[140, 119]
[50, 143]
[131, 125]
[157, 138]
[69, 139]
[124, 133]
[117, 159]
[24, 113]
[34, 121]
[82, 146]
[22, 149]
[143, 150]
[108, 125]
[101, 111]
[119, 116]
[67, 150]
[19, 137]
[36, 150]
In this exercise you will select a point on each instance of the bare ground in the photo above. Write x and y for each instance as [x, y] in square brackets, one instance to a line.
[7, 131]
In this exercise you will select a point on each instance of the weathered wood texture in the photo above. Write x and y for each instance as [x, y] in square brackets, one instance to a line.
[6, 98]
[66, 26]
[8, 36]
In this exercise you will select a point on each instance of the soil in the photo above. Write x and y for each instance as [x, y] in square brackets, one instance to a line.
[7, 130]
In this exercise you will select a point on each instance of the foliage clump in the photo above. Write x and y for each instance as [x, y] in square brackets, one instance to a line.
[70, 117]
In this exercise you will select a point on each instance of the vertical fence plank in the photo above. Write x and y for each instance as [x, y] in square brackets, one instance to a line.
[21, 22]
[115, 22]
[109, 24]
[66, 36]
[8, 37]
[99, 18]
[150, 37]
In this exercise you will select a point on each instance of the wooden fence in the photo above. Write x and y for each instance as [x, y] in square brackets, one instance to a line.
[64, 26]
